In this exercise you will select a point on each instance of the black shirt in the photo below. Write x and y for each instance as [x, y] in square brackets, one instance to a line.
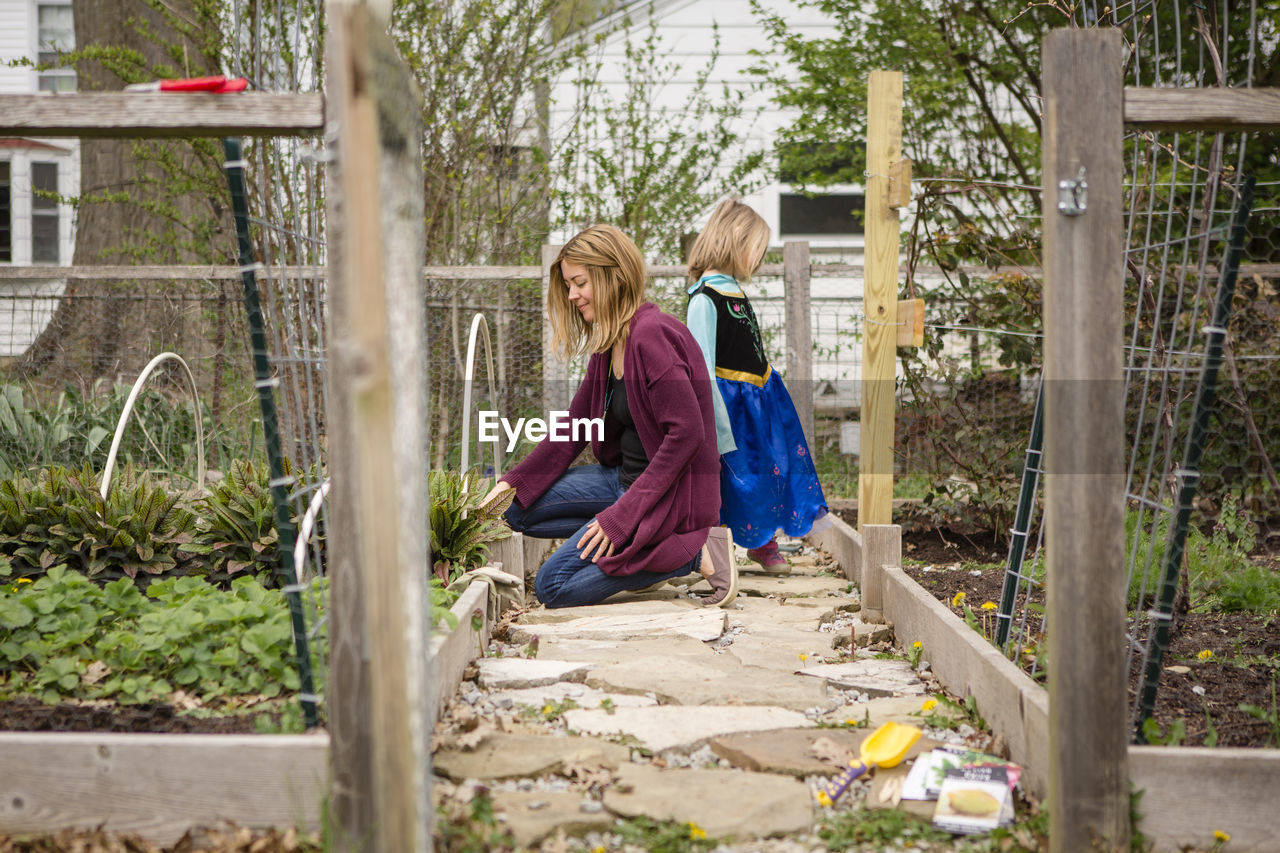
[634, 459]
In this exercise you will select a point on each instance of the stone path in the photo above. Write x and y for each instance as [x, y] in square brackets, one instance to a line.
[655, 706]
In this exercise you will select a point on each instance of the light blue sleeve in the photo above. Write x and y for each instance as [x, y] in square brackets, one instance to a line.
[702, 323]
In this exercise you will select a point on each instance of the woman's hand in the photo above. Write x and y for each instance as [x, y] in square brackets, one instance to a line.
[595, 538]
[498, 489]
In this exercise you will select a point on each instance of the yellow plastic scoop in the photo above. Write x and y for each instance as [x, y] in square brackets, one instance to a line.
[885, 747]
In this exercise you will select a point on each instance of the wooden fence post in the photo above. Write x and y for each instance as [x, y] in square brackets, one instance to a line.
[1084, 439]
[881, 546]
[377, 446]
[880, 301]
[555, 370]
[799, 379]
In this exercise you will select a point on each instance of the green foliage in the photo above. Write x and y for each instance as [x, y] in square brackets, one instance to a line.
[63, 636]
[653, 172]
[1271, 715]
[75, 429]
[237, 529]
[470, 827]
[880, 827]
[1156, 735]
[59, 519]
[461, 529]
[662, 836]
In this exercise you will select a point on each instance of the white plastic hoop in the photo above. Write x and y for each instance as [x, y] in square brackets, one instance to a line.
[478, 323]
[305, 527]
[128, 410]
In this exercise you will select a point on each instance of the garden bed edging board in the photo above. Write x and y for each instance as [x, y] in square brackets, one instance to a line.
[161, 785]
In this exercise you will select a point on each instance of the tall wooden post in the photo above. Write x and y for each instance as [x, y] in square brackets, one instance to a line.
[555, 370]
[795, 284]
[880, 301]
[882, 546]
[1084, 439]
[377, 445]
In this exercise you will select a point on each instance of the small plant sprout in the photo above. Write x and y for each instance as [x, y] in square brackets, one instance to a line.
[914, 654]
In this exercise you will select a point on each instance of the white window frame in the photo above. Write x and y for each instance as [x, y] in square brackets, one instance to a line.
[62, 79]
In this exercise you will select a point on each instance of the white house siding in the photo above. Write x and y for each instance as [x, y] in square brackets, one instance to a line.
[27, 306]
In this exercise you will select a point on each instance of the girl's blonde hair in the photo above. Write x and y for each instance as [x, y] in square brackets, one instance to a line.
[733, 242]
[616, 270]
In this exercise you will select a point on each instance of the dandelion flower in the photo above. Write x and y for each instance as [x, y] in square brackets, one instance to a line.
[988, 605]
[929, 705]
[803, 656]
[958, 599]
[696, 832]
[1220, 836]
[598, 849]
[917, 645]
[547, 709]
[24, 580]
[1204, 654]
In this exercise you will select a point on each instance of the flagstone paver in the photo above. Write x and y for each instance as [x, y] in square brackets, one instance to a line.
[791, 751]
[718, 680]
[702, 624]
[679, 726]
[873, 677]
[522, 672]
[719, 802]
[532, 816]
[581, 695]
[504, 756]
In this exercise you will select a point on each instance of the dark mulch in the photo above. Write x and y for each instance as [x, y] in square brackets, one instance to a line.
[1244, 667]
[31, 715]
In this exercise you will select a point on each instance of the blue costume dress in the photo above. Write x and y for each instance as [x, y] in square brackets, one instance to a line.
[767, 478]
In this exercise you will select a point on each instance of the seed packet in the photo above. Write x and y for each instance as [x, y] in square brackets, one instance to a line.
[974, 799]
[924, 781]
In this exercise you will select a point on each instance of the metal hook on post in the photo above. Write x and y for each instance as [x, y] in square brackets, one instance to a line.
[1073, 195]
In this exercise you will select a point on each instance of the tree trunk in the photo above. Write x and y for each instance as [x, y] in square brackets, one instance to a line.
[141, 202]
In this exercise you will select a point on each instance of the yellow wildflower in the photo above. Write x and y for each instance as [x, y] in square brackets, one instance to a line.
[988, 605]
[929, 705]
[958, 599]
[24, 580]
[803, 656]
[917, 645]
[1204, 654]
[1220, 836]
[547, 709]
[598, 849]
[696, 832]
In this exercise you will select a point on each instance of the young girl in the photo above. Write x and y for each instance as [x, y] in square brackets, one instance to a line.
[647, 513]
[767, 478]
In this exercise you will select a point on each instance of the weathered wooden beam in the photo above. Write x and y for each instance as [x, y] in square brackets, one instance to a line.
[137, 114]
[799, 376]
[1213, 108]
[1084, 439]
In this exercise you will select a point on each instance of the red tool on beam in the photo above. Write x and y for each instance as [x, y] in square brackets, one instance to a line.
[218, 84]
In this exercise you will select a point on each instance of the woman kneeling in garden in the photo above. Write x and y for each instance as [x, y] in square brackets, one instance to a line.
[648, 512]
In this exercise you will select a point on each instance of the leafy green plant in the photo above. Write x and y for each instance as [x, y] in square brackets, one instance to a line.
[878, 827]
[237, 531]
[461, 529]
[1156, 735]
[466, 827]
[60, 519]
[63, 636]
[1271, 716]
[663, 836]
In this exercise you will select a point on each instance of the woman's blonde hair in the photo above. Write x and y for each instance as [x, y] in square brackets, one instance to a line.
[616, 270]
[733, 242]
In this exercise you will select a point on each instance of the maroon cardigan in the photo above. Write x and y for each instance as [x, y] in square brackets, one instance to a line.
[662, 520]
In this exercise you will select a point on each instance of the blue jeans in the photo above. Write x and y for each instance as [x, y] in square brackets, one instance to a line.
[566, 579]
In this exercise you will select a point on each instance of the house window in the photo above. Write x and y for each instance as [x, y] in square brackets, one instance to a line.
[836, 214]
[56, 36]
[44, 213]
[6, 217]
